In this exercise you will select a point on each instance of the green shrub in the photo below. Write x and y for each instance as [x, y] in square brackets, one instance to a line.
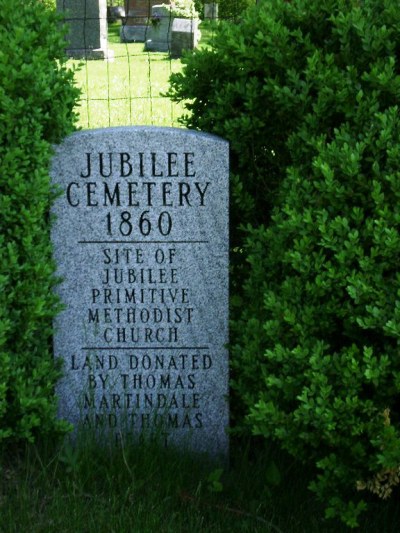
[314, 125]
[227, 9]
[48, 4]
[233, 9]
[234, 91]
[185, 9]
[36, 102]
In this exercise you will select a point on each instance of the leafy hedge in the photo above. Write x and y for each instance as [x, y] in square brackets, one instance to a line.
[48, 4]
[36, 110]
[227, 9]
[307, 92]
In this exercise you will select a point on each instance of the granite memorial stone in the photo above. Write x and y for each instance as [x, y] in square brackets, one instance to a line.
[87, 23]
[141, 243]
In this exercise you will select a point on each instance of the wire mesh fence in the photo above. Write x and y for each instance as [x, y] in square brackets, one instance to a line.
[125, 54]
[130, 89]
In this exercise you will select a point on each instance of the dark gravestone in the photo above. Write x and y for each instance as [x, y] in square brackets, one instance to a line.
[137, 21]
[141, 242]
[87, 23]
[211, 11]
[115, 13]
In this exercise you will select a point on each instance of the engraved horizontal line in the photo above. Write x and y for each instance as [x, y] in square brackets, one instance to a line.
[149, 348]
[143, 242]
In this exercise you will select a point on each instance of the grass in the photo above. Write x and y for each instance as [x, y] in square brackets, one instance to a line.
[145, 490]
[128, 90]
[53, 488]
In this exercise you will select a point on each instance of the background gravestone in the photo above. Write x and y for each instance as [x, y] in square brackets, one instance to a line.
[184, 36]
[141, 242]
[136, 25]
[115, 13]
[158, 37]
[168, 33]
[87, 22]
[211, 11]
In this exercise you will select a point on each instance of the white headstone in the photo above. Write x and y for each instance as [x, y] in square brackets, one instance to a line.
[184, 35]
[141, 243]
[158, 36]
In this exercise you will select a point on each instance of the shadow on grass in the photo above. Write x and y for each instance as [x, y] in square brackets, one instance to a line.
[146, 488]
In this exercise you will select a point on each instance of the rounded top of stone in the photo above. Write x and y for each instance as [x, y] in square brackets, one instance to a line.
[160, 132]
[161, 10]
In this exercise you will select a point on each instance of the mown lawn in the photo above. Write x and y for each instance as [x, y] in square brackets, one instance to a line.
[127, 90]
